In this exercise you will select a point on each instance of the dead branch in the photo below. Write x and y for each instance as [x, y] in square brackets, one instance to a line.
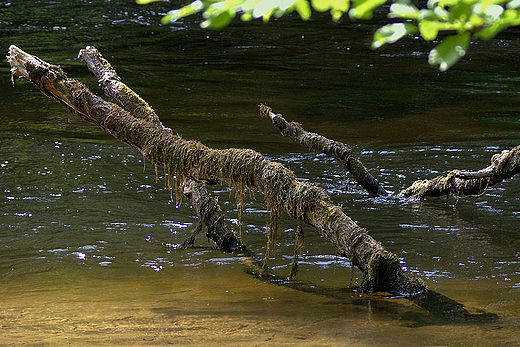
[241, 168]
[458, 183]
[335, 149]
[115, 88]
[211, 216]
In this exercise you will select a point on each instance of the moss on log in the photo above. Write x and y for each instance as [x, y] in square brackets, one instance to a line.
[458, 183]
[240, 168]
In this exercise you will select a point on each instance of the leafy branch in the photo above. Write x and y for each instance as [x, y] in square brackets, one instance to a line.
[462, 20]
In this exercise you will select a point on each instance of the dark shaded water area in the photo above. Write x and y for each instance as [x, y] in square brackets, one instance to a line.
[84, 222]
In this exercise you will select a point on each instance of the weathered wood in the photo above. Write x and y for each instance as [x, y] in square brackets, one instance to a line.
[335, 149]
[459, 183]
[211, 216]
[114, 87]
[241, 168]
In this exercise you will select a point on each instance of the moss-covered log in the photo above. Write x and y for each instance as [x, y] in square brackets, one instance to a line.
[335, 149]
[458, 183]
[241, 168]
[206, 207]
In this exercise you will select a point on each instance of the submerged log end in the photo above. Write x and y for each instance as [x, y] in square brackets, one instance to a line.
[226, 241]
[385, 274]
[265, 110]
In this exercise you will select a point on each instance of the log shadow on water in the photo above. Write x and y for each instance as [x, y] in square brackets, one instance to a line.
[428, 308]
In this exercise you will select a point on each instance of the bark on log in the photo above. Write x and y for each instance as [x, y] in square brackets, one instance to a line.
[335, 149]
[241, 168]
[458, 183]
[210, 215]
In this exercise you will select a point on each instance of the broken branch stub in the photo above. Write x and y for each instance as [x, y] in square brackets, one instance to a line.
[240, 168]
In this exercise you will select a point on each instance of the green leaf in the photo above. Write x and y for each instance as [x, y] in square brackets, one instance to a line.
[429, 29]
[509, 18]
[363, 9]
[391, 33]
[219, 21]
[246, 17]
[340, 5]
[513, 5]
[493, 13]
[449, 51]
[403, 10]
[336, 7]
[322, 5]
[460, 11]
[263, 7]
[303, 8]
[188, 10]
[144, 2]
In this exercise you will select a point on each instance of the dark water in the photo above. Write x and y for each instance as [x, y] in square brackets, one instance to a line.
[83, 221]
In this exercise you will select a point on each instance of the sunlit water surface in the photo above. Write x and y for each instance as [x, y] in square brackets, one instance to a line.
[85, 224]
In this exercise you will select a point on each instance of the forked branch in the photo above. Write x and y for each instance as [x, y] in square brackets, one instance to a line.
[334, 149]
[458, 183]
[241, 168]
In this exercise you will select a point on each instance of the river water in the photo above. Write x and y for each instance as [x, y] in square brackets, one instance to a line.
[85, 224]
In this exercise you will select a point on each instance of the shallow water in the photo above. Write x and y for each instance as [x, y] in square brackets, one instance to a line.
[84, 222]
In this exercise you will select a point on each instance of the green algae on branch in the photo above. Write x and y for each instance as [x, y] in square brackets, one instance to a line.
[241, 169]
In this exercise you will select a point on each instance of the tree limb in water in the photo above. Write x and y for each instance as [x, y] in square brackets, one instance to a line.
[207, 208]
[210, 214]
[335, 149]
[503, 165]
[458, 183]
[240, 168]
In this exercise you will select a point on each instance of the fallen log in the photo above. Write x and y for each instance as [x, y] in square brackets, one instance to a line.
[205, 206]
[240, 168]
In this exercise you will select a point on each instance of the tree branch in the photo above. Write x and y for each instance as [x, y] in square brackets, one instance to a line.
[114, 87]
[210, 214]
[335, 149]
[241, 168]
[503, 165]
